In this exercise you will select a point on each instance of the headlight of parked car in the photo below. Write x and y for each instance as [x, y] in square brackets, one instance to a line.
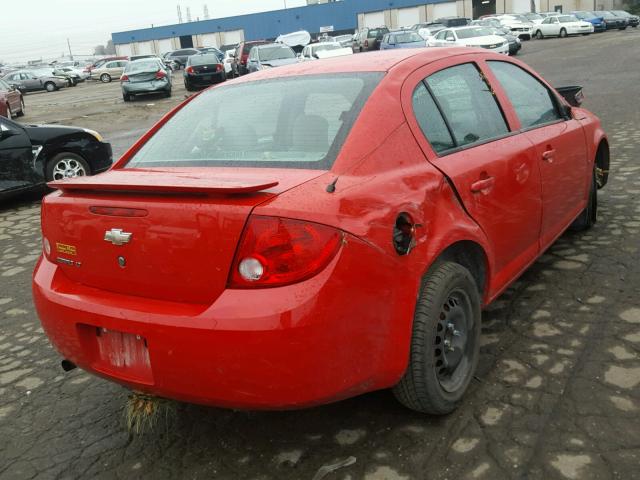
[94, 134]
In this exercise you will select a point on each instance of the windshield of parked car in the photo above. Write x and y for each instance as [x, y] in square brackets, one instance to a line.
[275, 53]
[567, 18]
[605, 14]
[473, 32]
[407, 37]
[142, 66]
[42, 72]
[533, 16]
[206, 59]
[292, 122]
[585, 15]
[621, 13]
[326, 46]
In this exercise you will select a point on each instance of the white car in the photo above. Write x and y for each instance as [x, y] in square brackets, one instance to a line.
[519, 25]
[228, 61]
[563, 25]
[324, 50]
[473, 36]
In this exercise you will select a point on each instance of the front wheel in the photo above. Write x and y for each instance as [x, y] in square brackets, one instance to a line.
[539, 35]
[67, 165]
[563, 33]
[445, 341]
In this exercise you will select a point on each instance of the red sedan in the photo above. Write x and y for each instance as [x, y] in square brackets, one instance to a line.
[11, 102]
[317, 231]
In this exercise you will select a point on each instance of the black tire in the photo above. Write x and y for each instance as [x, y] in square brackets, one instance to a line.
[539, 35]
[589, 216]
[52, 172]
[105, 78]
[9, 112]
[167, 94]
[50, 87]
[188, 87]
[563, 33]
[447, 313]
[21, 112]
[127, 97]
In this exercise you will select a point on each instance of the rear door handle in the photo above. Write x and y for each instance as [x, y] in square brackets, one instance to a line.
[483, 186]
[548, 155]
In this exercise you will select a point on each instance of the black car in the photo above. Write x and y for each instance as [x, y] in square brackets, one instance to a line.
[514, 42]
[612, 21]
[31, 155]
[203, 70]
[632, 20]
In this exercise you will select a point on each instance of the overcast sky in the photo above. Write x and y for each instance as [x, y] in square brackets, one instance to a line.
[39, 28]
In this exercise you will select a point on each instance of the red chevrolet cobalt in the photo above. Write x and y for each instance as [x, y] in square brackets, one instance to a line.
[313, 232]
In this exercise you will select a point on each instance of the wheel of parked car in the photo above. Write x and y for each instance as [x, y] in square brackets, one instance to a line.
[589, 215]
[9, 112]
[563, 33]
[445, 341]
[50, 87]
[539, 35]
[127, 97]
[67, 165]
[167, 93]
[105, 78]
[21, 112]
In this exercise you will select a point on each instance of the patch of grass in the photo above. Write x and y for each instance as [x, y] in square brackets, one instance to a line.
[143, 412]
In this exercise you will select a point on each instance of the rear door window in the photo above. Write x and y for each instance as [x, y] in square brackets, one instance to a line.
[532, 101]
[430, 120]
[468, 104]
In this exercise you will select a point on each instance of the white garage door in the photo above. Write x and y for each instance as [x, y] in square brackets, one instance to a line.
[449, 9]
[232, 37]
[165, 45]
[374, 19]
[209, 39]
[124, 50]
[521, 6]
[145, 48]
[408, 16]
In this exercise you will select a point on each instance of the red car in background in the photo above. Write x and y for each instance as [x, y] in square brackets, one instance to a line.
[11, 101]
[241, 56]
[272, 244]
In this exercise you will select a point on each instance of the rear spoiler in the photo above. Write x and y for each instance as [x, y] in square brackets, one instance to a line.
[572, 94]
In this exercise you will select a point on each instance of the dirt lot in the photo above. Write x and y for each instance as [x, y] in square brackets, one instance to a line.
[557, 394]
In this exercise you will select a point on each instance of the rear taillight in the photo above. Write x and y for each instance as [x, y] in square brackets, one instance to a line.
[189, 70]
[280, 251]
[366, 44]
[160, 74]
[219, 67]
[124, 78]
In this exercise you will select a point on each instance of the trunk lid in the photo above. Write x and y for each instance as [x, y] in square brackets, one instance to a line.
[211, 68]
[184, 227]
[142, 76]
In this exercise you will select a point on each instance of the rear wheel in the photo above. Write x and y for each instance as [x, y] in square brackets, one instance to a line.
[167, 93]
[9, 112]
[563, 33]
[127, 97]
[589, 215]
[21, 112]
[539, 35]
[445, 341]
[50, 87]
[67, 165]
[105, 78]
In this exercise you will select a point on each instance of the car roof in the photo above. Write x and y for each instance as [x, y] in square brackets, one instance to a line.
[376, 61]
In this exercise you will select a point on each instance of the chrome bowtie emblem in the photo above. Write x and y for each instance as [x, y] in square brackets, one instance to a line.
[117, 236]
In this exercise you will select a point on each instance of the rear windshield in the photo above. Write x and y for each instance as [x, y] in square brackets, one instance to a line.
[292, 122]
[275, 53]
[408, 37]
[206, 59]
[142, 66]
[378, 32]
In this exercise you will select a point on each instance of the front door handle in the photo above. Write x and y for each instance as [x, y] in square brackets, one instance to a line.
[483, 186]
[548, 155]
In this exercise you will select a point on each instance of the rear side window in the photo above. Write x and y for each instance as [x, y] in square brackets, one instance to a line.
[468, 104]
[430, 120]
[292, 122]
[531, 100]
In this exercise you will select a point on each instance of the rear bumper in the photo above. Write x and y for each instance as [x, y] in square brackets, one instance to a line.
[301, 345]
[205, 79]
[146, 87]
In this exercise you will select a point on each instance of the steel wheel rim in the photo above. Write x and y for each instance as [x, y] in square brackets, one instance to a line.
[68, 168]
[454, 341]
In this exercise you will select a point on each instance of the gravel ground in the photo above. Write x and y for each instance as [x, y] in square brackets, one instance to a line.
[557, 393]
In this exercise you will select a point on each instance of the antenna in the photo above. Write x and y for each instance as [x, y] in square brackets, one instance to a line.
[179, 14]
[188, 14]
[206, 12]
